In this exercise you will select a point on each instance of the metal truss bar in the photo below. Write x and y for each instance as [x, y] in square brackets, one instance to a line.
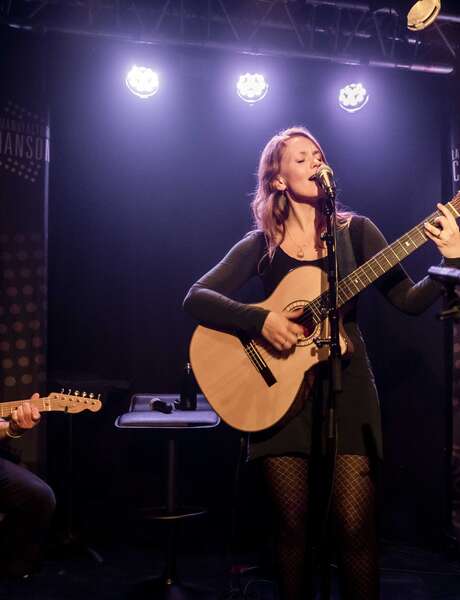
[444, 38]
[263, 19]
[443, 69]
[182, 19]
[342, 4]
[313, 28]
[323, 33]
[162, 15]
[359, 22]
[38, 9]
[229, 20]
[379, 34]
[338, 22]
[395, 33]
[294, 25]
[450, 18]
[90, 4]
[137, 14]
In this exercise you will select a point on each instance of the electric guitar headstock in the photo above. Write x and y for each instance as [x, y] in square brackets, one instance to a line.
[71, 402]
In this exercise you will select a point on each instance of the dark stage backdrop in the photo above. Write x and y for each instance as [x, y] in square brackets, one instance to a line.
[24, 162]
[147, 195]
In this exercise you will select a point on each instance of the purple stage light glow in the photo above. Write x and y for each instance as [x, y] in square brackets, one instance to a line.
[353, 97]
[252, 87]
[142, 82]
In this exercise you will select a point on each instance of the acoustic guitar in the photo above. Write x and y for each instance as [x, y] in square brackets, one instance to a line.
[57, 401]
[246, 380]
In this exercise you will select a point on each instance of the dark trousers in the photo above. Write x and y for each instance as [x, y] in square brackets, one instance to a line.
[28, 504]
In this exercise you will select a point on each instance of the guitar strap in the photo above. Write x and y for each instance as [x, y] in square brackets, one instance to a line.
[346, 258]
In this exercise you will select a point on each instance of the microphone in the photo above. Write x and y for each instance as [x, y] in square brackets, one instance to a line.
[325, 177]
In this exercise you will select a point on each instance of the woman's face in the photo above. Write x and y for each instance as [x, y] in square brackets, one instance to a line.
[299, 161]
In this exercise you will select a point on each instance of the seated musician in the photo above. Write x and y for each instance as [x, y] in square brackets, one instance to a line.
[26, 501]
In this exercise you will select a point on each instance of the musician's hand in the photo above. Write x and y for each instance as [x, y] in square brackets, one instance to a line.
[445, 234]
[281, 331]
[26, 416]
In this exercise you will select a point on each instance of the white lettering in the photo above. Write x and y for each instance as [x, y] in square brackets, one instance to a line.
[30, 151]
[23, 140]
[8, 144]
[19, 146]
[456, 170]
[38, 149]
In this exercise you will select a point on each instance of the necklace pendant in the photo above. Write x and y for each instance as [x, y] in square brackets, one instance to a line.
[300, 253]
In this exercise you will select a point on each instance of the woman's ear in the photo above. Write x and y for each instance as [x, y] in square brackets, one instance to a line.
[279, 184]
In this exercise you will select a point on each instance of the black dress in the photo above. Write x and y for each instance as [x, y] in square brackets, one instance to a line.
[358, 414]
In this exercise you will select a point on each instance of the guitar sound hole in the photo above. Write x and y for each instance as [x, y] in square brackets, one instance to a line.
[308, 321]
[308, 328]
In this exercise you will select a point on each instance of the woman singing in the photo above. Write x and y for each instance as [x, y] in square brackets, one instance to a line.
[289, 220]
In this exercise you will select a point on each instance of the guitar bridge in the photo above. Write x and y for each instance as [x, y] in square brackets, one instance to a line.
[257, 359]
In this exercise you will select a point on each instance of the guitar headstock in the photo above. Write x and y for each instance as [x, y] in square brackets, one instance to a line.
[74, 403]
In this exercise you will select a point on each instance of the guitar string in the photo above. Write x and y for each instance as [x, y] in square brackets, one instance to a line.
[254, 356]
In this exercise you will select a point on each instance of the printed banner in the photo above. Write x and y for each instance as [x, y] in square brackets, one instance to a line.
[24, 162]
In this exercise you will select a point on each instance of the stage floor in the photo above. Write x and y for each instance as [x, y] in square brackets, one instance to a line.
[407, 573]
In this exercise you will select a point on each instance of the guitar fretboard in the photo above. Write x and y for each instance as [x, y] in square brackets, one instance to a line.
[378, 265]
[43, 404]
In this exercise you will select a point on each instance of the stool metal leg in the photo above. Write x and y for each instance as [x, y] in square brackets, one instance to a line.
[170, 573]
[167, 587]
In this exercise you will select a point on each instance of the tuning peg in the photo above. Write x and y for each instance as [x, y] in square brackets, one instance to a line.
[77, 393]
[98, 396]
[62, 391]
[91, 395]
[70, 392]
[84, 394]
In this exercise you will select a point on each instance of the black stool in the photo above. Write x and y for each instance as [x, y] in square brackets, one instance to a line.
[141, 416]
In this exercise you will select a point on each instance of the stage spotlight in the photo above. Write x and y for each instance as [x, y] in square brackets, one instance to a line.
[252, 87]
[142, 81]
[353, 97]
[422, 13]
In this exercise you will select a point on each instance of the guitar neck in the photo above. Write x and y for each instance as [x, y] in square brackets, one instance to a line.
[362, 277]
[43, 404]
[359, 279]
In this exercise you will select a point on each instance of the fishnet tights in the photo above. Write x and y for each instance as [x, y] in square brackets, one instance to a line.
[353, 509]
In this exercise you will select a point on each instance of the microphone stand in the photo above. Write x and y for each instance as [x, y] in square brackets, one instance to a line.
[335, 376]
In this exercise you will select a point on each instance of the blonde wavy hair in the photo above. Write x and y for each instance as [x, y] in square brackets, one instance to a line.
[270, 207]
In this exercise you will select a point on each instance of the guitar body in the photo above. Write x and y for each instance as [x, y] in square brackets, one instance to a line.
[225, 370]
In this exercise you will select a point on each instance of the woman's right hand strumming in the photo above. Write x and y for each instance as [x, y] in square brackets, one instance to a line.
[281, 330]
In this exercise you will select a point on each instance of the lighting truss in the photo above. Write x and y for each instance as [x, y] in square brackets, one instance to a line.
[372, 33]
